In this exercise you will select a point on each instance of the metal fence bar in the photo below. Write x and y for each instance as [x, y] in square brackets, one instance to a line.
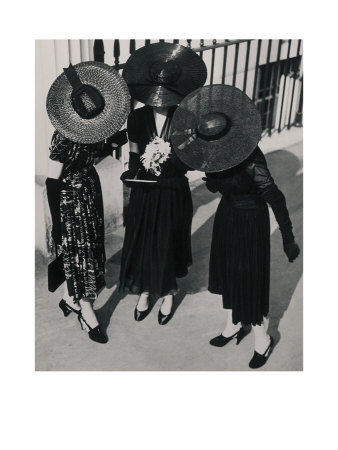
[223, 44]
[295, 74]
[212, 63]
[99, 50]
[132, 46]
[147, 42]
[116, 52]
[299, 115]
[284, 85]
[248, 44]
[256, 68]
[266, 82]
[235, 66]
[275, 76]
[201, 45]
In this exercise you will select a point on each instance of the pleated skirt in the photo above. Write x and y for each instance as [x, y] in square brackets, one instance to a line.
[82, 227]
[240, 257]
[157, 243]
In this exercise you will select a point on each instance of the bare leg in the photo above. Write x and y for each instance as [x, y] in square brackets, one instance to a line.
[68, 299]
[262, 339]
[230, 329]
[88, 312]
[167, 304]
[143, 302]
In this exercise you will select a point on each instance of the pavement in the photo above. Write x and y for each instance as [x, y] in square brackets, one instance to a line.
[182, 344]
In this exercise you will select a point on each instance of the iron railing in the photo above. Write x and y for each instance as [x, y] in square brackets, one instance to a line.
[276, 83]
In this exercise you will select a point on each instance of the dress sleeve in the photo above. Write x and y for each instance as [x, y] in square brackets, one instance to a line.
[259, 173]
[133, 127]
[60, 147]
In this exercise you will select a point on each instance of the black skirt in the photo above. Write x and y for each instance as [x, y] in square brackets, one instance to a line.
[157, 243]
[240, 257]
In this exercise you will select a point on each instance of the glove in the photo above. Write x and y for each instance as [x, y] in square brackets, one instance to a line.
[120, 138]
[212, 184]
[291, 250]
[133, 167]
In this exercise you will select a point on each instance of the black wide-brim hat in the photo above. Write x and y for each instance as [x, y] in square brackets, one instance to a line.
[162, 74]
[215, 128]
[88, 103]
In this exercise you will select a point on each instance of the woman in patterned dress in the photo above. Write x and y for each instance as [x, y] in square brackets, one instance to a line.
[80, 237]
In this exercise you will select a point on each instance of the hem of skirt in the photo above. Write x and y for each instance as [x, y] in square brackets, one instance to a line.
[247, 323]
[136, 290]
[257, 321]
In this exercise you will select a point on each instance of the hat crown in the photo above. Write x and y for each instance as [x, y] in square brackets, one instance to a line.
[213, 123]
[164, 72]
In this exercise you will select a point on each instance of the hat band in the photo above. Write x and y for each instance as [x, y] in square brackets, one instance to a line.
[193, 134]
[79, 89]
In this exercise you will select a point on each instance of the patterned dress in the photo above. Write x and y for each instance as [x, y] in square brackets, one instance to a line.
[81, 210]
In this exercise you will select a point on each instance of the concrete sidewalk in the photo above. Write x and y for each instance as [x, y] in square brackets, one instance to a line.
[183, 344]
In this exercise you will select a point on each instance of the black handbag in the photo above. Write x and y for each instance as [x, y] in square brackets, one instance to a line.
[56, 273]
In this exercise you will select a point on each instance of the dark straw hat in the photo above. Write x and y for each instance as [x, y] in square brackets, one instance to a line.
[162, 74]
[88, 102]
[215, 128]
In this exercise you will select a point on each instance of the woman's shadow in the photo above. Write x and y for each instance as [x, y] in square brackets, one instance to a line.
[195, 281]
[286, 169]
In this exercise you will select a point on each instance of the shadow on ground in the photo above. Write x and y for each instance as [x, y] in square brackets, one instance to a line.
[284, 167]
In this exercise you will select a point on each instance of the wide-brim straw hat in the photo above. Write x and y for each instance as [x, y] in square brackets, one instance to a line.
[114, 100]
[215, 128]
[162, 74]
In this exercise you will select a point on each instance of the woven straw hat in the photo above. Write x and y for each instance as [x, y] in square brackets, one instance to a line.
[215, 128]
[162, 74]
[88, 102]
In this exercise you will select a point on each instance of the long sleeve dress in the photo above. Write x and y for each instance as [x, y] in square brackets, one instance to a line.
[240, 249]
[80, 234]
[157, 243]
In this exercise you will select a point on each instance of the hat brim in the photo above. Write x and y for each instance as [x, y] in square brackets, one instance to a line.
[231, 149]
[114, 91]
[193, 73]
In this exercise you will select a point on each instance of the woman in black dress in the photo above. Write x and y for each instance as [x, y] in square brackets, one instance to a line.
[240, 249]
[216, 129]
[157, 243]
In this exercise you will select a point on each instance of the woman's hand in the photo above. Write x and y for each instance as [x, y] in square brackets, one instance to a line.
[291, 250]
[118, 139]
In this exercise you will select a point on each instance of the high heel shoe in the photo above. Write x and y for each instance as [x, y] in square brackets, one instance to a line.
[95, 334]
[140, 315]
[164, 318]
[221, 341]
[259, 360]
[67, 309]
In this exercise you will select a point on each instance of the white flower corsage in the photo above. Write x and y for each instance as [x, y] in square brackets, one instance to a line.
[156, 152]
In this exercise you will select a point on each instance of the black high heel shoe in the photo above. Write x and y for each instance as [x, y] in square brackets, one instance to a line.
[95, 334]
[221, 341]
[259, 360]
[164, 318]
[140, 315]
[67, 309]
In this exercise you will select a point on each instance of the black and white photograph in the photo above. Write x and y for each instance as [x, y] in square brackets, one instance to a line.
[169, 204]
[168, 225]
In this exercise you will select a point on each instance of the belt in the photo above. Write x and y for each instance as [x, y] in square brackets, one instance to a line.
[244, 201]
